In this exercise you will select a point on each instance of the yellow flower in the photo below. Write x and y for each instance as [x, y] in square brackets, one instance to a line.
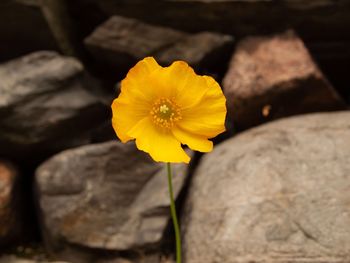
[164, 107]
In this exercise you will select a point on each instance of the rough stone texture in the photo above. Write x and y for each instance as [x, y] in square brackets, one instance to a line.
[322, 24]
[276, 193]
[10, 225]
[49, 19]
[272, 77]
[203, 51]
[121, 42]
[44, 106]
[104, 196]
[18, 19]
[238, 17]
[15, 259]
[140, 259]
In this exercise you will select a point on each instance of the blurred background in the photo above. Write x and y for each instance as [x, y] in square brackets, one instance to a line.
[70, 191]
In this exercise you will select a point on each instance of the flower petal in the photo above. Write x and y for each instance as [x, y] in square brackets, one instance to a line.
[180, 82]
[159, 143]
[126, 115]
[193, 141]
[137, 82]
[207, 117]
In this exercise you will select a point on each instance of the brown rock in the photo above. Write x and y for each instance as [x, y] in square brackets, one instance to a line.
[273, 77]
[121, 42]
[10, 225]
[107, 196]
[275, 193]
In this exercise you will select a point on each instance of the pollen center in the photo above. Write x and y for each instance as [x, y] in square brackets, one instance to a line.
[165, 113]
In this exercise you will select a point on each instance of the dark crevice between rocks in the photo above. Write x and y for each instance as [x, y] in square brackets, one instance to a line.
[28, 234]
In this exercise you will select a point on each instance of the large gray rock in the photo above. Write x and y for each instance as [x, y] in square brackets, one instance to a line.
[121, 42]
[44, 106]
[276, 193]
[273, 77]
[107, 196]
[10, 214]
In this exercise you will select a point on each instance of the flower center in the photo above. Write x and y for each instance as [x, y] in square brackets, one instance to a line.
[165, 113]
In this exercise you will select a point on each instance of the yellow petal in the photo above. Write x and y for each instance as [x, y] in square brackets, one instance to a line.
[207, 117]
[159, 143]
[193, 141]
[137, 82]
[179, 82]
[126, 115]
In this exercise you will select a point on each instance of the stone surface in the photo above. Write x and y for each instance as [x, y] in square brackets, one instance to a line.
[15, 259]
[273, 77]
[121, 42]
[238, 17]
[276, 193]
[10, 225]
[203, 51]
[48, 19]
[104, 196]
[140, 259]
[44, 106]
[18, 20]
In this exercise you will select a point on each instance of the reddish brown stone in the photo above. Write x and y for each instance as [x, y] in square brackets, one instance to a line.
[9, 224]
[273, 77]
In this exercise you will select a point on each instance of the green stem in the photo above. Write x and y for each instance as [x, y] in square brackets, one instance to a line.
[174, 216]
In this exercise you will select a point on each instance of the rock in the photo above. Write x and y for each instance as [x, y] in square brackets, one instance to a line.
[107, 196]
[15, 259]
[236, 17]
[273, 77]
[44, 107]
[47, 19]
[203, 51]
[141, 259]
[121, 42]
[10, 225]
[276, 193]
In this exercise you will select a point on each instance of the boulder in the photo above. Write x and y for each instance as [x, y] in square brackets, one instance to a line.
[44, 106]
[107, 196]
[121, 42]
[276, 193]
[273, 77]
[10, 225]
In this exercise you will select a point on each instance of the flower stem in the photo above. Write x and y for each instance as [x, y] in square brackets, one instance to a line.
[174, 216]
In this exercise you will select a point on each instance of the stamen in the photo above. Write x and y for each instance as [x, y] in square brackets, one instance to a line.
[165, 112]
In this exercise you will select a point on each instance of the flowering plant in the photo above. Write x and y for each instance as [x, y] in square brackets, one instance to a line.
[162, 108]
